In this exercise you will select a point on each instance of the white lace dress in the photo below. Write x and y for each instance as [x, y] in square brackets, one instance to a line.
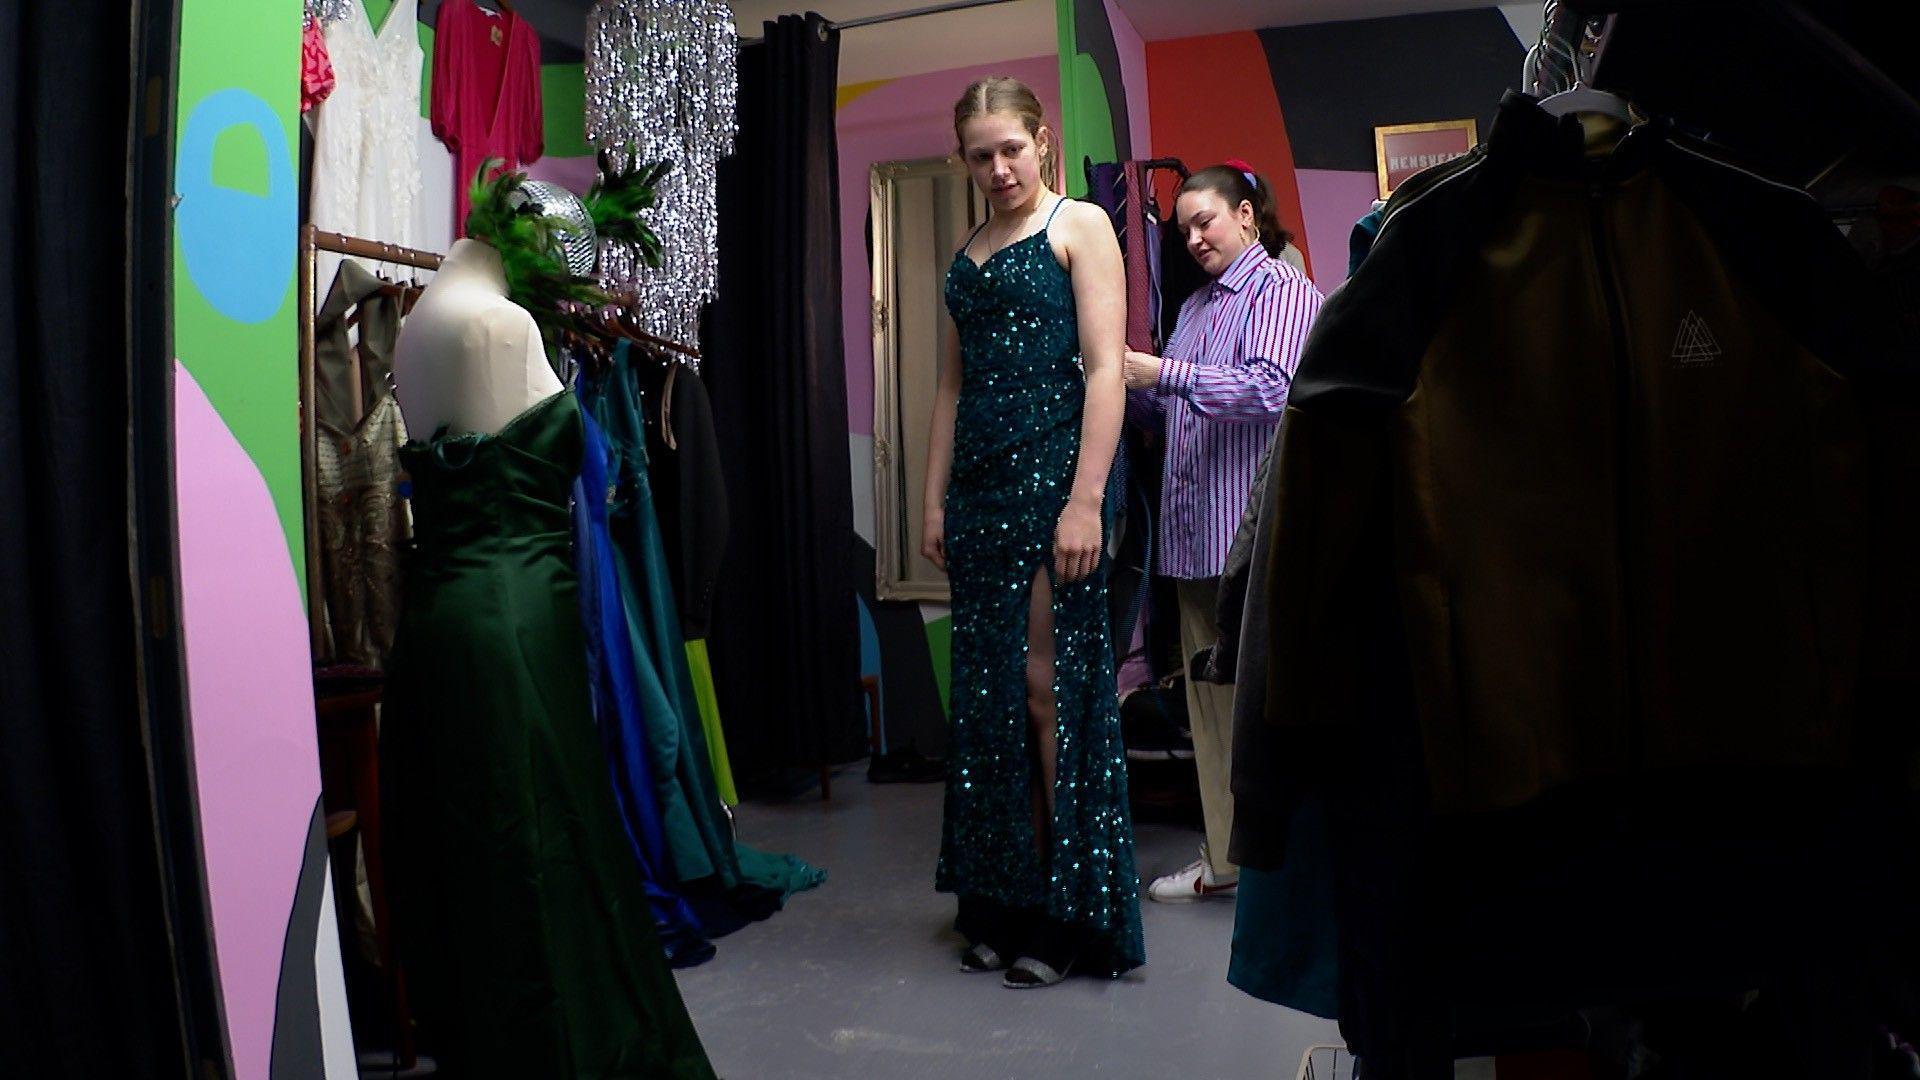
[366, 157]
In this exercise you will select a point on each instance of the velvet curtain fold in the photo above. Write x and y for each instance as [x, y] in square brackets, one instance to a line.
[87, 981]
[785, 635]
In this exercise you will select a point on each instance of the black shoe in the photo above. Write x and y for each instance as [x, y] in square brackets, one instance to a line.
[905, 766]
[995, 933]
[1048, 958]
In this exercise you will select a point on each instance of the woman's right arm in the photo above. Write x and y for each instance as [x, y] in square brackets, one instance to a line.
[946, 396]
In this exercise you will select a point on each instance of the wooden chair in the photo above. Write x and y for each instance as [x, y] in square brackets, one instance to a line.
[870, 685]
[350, 779]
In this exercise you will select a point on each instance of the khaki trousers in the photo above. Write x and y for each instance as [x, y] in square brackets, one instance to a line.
[1210, 714]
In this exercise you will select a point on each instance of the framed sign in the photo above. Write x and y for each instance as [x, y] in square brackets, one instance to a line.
[1400, 150]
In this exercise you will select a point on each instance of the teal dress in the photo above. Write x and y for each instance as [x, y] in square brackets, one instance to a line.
[1015, 446]
[521, 917]
[728, 884]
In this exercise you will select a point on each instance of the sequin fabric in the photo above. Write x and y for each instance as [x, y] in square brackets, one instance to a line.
[327, 11]
[1016, 439]
[662, 84]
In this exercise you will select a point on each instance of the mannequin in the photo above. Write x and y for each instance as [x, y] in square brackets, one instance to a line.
[469, 359]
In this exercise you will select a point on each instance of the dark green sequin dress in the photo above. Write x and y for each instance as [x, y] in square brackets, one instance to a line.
[1016, 441]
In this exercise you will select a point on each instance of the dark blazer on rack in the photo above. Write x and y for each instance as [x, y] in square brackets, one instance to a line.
[690, 492]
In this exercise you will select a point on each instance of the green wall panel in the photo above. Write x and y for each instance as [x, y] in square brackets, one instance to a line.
[237, 176]
[940, 652]
[563, 100]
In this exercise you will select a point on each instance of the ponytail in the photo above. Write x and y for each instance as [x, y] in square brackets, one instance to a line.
[1049, 152]
[1235, 183]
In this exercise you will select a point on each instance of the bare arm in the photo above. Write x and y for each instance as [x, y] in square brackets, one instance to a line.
[1100, 298]
[946, 393]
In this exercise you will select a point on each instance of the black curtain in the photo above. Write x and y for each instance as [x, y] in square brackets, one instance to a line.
[785, 636]
[87, 976]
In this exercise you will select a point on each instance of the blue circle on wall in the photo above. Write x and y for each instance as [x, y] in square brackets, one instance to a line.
[238, 245]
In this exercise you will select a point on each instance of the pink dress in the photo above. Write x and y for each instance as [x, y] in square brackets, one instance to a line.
[486, 93]
[316, 70]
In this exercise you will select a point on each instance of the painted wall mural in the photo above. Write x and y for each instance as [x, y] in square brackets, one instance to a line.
[1213, 99]
[241, 561]
[1300, 103]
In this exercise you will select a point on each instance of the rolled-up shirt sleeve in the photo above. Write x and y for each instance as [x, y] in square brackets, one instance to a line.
[1145, 409]
[1254, 389]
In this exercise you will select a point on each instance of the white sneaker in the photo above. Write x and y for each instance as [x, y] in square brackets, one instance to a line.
[1195, 882]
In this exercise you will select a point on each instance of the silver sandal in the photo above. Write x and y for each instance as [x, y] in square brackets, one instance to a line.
[1030, 974]
[982, 957]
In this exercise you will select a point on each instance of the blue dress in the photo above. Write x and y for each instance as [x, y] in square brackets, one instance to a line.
[1016, 444]
[1285, 948]
[616, 703]
[728, 884]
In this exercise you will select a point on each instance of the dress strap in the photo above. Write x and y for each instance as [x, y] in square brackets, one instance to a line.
[1051, 214]
[971, 237]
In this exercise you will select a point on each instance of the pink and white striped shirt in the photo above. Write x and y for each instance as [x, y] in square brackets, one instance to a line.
[1222, 389]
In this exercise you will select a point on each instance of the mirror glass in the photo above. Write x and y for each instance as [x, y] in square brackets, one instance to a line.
[922, 212]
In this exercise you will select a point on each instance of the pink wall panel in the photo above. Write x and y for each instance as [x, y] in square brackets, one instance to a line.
[576, 174]
[1330, 202]
[248, 687]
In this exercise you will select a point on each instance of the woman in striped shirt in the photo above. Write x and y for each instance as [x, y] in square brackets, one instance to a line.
[1219, 391]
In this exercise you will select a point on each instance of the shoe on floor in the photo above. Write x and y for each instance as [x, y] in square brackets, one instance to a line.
[1030, 974]
[1195, 882]
[905, 766]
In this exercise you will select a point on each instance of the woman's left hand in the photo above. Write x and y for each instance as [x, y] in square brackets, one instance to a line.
[1142, 370]
[1076, 542]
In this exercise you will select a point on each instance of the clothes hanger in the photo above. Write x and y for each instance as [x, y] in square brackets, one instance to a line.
[666, 407]
[1580, 97]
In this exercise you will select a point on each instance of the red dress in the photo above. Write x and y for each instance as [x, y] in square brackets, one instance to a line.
[486, 93]
[316, 69]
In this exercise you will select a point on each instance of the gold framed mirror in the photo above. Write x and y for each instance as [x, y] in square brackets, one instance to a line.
[922, 212]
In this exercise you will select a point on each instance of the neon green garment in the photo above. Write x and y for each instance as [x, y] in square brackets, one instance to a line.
[702, 667]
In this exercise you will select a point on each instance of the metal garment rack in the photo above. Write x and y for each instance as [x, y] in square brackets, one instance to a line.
[896, 16]
[313, 241]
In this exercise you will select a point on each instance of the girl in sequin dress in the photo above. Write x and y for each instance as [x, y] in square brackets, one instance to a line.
[1037, 841]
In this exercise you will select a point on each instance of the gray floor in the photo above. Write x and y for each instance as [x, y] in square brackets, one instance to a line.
[859, 978]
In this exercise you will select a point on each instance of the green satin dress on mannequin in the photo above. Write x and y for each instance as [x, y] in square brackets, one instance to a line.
[521, 918]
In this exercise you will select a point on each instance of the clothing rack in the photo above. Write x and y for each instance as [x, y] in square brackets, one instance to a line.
[313, 241]
[896, 16]
[913, 13]
[1552, 64]
[626, 304]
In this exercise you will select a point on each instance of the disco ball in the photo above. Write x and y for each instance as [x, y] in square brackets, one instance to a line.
[575, 238]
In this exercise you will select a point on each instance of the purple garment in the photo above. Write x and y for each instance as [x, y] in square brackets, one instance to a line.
[1222, 389]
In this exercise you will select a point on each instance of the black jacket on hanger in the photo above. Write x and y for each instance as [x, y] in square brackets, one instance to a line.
[1591, 598]
[1608, 433]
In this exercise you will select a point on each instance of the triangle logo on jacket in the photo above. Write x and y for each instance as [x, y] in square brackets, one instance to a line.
[1694, 346]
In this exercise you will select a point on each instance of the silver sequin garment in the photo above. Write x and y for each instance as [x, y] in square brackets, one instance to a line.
[326, 11]
[662, 81]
